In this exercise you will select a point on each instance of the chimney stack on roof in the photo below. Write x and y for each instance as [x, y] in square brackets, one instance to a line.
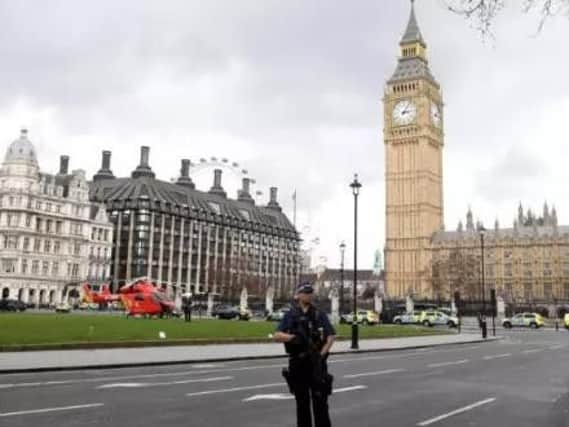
[105, 171]
[244, 195]
[273, 203]
[63, 165]
[143, 170]
[217, 188]
[184, 178]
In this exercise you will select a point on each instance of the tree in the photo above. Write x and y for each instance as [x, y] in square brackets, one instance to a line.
[483, 12]
[459, 270]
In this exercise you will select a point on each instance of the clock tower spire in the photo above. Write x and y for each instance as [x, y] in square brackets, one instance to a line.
[413, 137]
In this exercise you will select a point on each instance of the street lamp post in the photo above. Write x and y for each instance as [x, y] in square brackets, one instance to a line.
[355, 186]
[342, 250]
[483, 285]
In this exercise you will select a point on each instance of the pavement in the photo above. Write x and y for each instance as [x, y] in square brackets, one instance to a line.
[108, 358]
[521, 380]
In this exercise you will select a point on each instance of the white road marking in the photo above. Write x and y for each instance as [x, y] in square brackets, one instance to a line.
[351, 388]
[46, 410]
[557, 347]
[497, 356]
[137, 385]
[283, 396]
[409, 353]
[370, 374]
[274, 396]
[230, 390]
[456, 412]
[533, 350]
[457, 362]
[406, 353]
[133, 377]
[206, 366]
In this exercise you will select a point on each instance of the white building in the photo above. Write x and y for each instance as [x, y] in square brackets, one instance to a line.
[51, 236]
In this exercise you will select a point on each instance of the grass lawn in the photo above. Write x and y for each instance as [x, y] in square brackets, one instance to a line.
[26, 329]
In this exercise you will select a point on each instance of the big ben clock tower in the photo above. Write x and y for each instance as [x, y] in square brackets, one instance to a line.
[413, 136]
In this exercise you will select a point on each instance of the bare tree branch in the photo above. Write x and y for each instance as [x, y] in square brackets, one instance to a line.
[482, 13]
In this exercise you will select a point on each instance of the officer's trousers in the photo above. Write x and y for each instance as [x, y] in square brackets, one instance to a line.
[308, 394]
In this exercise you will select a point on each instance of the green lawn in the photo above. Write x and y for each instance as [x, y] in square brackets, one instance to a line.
[26, 329]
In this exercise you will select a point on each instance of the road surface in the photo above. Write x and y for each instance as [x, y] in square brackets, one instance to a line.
[522, 380]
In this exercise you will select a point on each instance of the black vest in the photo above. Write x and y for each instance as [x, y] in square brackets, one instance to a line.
[308, 330]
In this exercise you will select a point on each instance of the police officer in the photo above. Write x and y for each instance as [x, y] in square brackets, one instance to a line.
[308, 337]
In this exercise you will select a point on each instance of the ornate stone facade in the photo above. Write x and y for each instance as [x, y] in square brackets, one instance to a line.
[51, 236]
[527, 263]
[413, 136]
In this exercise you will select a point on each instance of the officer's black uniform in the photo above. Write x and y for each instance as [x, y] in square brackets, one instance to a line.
[307, 370]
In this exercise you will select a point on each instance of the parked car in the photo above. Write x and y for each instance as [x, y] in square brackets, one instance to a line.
[566, 320]
[11, 305]
[63, 308]
[407, 318]
[365, 317]
[524, 320]
[230, 312]
[438, 318]
[277, 316]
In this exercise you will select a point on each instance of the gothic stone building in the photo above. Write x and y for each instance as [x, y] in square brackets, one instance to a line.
[51, 235]
[526, 263]
[186, 240]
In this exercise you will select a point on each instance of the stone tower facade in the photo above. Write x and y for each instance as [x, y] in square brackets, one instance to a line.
[413, 136]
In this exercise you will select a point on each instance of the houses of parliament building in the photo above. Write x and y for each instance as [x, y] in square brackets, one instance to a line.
[527, 263]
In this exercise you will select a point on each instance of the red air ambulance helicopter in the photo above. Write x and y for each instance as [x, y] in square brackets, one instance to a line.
[142, 297]
[101, 297]
[139, 297]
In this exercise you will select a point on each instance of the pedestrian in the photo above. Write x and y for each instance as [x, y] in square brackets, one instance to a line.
[308, 336]
[187, 307]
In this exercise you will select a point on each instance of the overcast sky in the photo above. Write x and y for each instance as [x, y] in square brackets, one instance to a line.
[292, 91]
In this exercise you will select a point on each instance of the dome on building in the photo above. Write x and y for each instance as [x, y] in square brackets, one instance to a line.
[21, 151]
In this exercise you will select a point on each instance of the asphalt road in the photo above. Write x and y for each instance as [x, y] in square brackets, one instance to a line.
[522, 380]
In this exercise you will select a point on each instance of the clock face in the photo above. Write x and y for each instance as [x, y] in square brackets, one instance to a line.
[404, 112]
[435, 114]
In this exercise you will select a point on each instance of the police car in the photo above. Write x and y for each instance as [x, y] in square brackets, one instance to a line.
[524, 320]
[433, 318]
[365, 317]
[407, 318]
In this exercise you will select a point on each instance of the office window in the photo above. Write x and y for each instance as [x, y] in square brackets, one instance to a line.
[10, 242]
[55, 269]
[35, 267]
[45, 268]
[8, 265]
[24, 266]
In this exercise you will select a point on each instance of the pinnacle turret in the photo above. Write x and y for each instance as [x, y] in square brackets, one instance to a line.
[412, 32]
